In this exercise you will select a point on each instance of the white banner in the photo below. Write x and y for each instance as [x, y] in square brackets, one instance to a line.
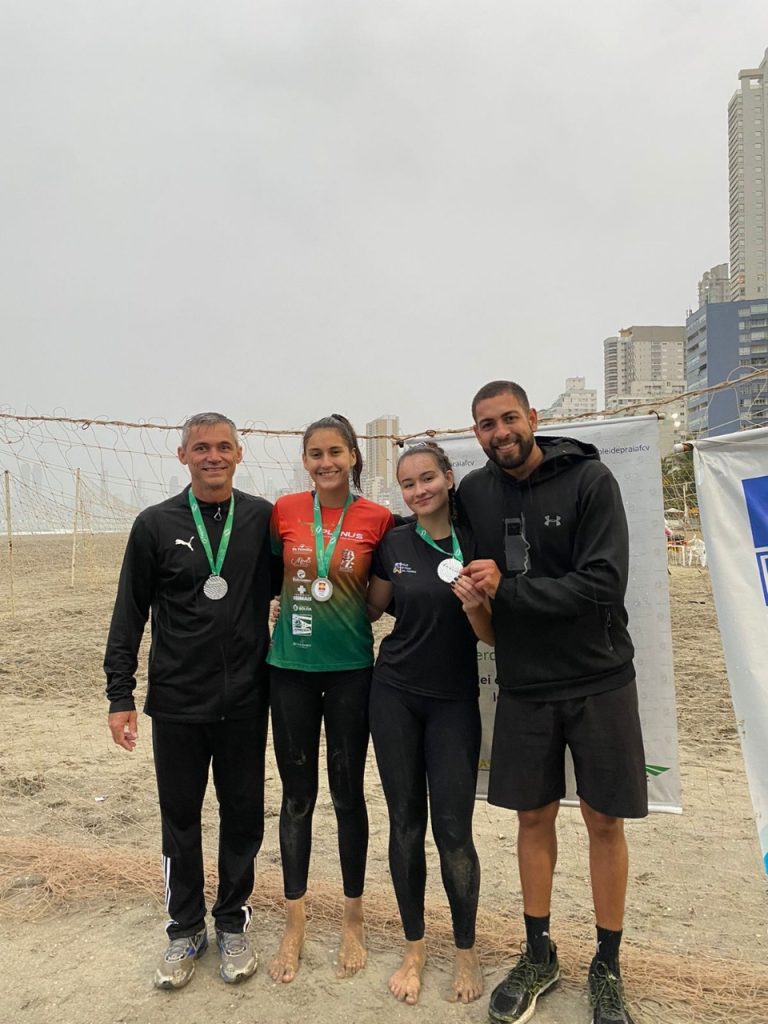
[629, 446]
[732, 488]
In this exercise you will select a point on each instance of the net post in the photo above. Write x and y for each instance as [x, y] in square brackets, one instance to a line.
[74, 528]
[7, 488]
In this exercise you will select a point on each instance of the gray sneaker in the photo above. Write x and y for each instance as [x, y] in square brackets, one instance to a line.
[178, 963]
[238, 960]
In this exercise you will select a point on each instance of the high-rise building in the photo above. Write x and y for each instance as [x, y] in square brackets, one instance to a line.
[727, 341]
[715, 285]
[712, 355]
[381, 458]
[643, 365]
[644, 361]
[747, 117]
[380, 451]
[300, 480]
[577, 400]
[727, 336]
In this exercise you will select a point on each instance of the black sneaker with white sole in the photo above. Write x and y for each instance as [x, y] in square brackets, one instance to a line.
[514, 1000]
[606, 994]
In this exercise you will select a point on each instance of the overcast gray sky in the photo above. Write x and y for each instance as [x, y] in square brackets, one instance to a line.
[281, 209]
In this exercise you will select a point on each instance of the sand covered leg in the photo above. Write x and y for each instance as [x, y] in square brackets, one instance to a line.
[353, 955]
[285, 963]
[405, 983]
[467, 977]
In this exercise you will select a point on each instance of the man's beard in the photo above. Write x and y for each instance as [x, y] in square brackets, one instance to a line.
[511, 460]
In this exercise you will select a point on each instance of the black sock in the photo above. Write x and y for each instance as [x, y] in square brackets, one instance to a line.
[537, 938]
[608, 943]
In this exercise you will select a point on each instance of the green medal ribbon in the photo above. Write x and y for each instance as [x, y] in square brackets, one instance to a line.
[323, 553]
[457, 552]
[202, 533]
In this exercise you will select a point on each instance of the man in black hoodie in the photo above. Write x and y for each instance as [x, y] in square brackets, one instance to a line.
[549, 522]
[201, 564]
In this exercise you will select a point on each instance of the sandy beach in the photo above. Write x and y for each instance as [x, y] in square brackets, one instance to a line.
[80, 881]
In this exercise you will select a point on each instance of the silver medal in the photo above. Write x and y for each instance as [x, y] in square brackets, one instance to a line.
[215, 587]
[321, 589]
[449, 570]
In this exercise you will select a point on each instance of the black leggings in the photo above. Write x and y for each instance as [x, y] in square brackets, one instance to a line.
[425, 742]
[300, 702]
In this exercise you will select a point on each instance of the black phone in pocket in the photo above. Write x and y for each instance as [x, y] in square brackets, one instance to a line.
[515, 546]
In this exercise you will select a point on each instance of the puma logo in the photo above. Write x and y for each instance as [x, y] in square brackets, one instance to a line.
[186, 543]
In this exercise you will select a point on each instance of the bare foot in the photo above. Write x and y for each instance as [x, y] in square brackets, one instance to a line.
[285, 963]
[405, 983]
[467, 977]
[353, 955]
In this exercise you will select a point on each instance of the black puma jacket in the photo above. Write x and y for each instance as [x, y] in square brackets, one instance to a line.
[206, 658]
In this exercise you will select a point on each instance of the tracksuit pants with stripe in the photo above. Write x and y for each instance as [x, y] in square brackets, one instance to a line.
[184, 752]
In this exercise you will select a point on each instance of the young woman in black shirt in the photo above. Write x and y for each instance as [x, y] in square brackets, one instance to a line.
[425, 720]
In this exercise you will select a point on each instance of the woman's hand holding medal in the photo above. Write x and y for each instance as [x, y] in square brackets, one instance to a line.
[472, 597]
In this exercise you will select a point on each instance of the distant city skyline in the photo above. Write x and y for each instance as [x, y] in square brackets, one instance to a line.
[727, 336]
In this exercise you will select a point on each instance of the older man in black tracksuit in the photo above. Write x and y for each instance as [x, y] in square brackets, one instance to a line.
[552, 535]
[200, 563]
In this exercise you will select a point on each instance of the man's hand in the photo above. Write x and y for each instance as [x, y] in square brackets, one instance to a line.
[485, 575]
[124, 728]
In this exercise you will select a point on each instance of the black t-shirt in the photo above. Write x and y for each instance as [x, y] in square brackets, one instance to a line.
[432, 649]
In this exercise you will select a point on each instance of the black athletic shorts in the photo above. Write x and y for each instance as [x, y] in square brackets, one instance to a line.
[606, 742]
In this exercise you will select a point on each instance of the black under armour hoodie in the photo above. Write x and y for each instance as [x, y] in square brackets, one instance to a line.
[560, 539]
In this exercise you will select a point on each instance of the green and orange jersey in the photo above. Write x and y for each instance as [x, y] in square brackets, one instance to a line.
[333, 635]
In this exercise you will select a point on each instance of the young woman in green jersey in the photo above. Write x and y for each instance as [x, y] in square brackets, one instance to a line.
[425, 718]
[321, 662]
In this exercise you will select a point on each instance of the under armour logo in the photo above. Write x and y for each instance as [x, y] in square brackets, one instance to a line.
[552, 520]
[186, 543]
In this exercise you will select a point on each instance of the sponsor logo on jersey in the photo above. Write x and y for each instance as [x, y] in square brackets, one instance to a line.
[304, 560]
[401, 567]
[186, 543]
[347, 563]
[345, 534]
[552, 520]
[301, 625]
